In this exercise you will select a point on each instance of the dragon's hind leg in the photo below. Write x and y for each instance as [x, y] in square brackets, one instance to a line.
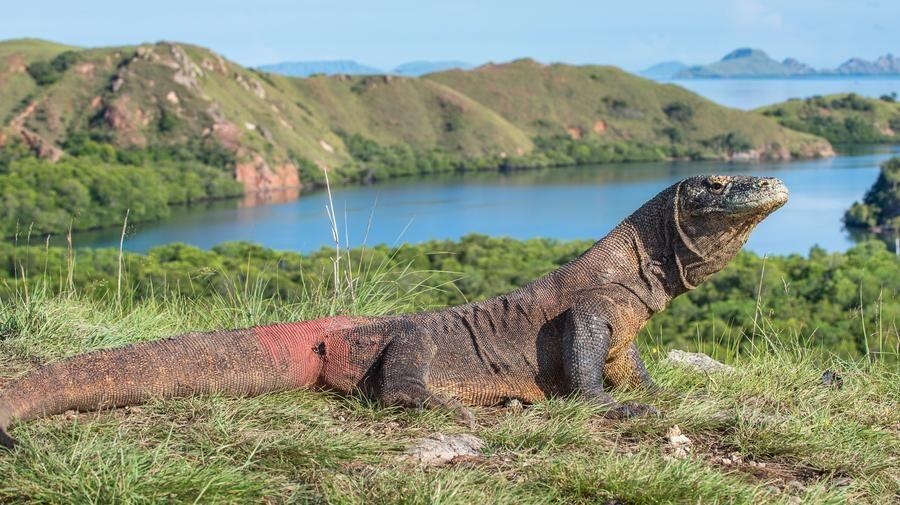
[404, 373]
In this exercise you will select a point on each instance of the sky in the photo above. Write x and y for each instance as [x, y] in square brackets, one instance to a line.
[384, 33]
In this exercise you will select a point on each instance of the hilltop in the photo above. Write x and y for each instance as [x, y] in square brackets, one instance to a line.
[349, 67]
[422, 67]
[325, 67]
[664, 70]
[842, 118]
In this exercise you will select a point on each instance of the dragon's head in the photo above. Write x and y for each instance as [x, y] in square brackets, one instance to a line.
[713, 217]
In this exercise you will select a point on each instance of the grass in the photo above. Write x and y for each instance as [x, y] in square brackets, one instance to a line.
[817, 444]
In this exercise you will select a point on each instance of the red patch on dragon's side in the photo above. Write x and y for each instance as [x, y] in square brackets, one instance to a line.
[303, 350]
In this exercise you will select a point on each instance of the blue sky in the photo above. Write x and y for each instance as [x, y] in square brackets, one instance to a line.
[630, 34]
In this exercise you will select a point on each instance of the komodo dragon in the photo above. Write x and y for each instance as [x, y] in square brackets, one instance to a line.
[563, 334]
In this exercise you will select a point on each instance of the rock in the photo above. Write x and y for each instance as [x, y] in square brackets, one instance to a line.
[172, 98]
[832, 379]
[679, 444]
[513, 404]
[795, 486]
[117, 83]
[440, 449]
[695, 361]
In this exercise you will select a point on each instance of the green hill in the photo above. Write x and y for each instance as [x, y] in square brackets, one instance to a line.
[842, 118]
[606, 104]
[136, 107]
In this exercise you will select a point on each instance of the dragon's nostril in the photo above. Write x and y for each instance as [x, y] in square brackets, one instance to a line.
[764, 183]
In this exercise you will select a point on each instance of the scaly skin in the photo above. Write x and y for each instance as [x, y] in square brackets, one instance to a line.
[567, 333]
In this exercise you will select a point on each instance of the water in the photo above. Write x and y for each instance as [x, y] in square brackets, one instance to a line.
[752, 93]
[567, 203]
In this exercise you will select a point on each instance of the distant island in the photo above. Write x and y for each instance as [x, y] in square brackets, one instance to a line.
[351, 67]
[755, 63]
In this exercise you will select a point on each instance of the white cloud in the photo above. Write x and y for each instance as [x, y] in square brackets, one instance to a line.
[754, 14]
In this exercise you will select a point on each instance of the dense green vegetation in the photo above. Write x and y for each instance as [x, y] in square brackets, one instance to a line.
[769, 432]
[847, 303]
[845, 118]
[880, 208]
[97, 186]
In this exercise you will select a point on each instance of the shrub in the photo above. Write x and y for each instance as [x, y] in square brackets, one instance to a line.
[45, 73]
[679, 111]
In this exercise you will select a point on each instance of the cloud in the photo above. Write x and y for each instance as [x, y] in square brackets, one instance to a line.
[754, 14]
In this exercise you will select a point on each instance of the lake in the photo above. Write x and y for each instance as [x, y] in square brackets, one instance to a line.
[752, 93]
[564, 203]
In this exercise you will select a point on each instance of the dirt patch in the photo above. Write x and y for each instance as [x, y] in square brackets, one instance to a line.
[15, 64]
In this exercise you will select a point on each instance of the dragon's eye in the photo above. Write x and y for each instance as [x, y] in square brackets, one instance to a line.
[715, 186]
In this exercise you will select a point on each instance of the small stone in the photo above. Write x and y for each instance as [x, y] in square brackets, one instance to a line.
[796, 485]
[679, 444]
[440, 449]
[842, 481]
[513, 404]
[726, 461]
[794, 500]
[695, 361]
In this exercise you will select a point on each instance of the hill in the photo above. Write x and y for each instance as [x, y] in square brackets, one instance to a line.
[843, 118]
[327, 67]
[663, 70]
[172, 94]
[747, 62]
[606, 104]
[133, 107]
[420, 68]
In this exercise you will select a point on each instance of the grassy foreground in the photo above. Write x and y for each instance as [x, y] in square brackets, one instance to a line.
[770, 431]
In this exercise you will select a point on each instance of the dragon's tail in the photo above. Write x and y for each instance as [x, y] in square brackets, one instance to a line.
[237, 363]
